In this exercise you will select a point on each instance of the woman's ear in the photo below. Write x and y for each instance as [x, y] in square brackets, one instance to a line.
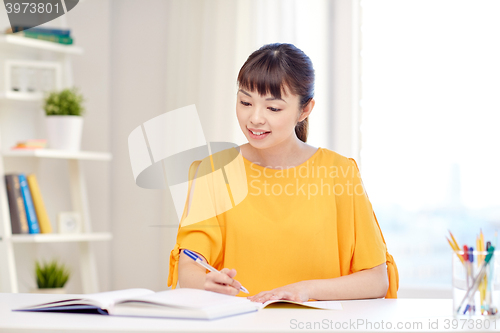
[306, 111]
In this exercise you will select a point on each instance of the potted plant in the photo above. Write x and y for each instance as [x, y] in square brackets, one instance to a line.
[64, 112]
[51, 277]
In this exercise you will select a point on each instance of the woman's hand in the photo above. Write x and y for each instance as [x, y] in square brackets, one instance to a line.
[297, 292]
[222, 282]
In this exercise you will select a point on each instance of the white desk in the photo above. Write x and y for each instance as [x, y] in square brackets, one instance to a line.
[413, 312]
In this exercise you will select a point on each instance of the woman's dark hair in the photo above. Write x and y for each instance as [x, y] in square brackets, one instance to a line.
[274, 66]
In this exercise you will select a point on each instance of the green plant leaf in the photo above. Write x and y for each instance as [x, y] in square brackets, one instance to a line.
[40, 279]
[65, 102]
[51, 275]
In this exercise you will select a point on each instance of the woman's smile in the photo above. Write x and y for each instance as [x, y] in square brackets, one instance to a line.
[258, 134]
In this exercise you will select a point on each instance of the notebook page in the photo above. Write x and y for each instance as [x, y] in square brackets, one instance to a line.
[325, 305]
[188, 298]
[102, 300]
[106, 299]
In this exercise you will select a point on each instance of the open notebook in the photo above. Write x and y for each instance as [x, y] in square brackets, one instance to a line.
[177, 303]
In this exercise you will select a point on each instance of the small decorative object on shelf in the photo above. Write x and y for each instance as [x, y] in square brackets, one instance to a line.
[69, 223]
[30, 79]
[64, 112]
[31, 144]
[50, 277]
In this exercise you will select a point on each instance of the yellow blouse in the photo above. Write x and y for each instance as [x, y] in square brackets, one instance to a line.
[280, 226]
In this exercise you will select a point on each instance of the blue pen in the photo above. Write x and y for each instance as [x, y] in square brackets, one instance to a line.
[197, 258]
[471, 260]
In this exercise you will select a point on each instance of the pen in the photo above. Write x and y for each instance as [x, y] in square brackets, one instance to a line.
[489, 275]
[471, 263]
[467, 269]
[466, 263]
[197, 259]
[483, 284]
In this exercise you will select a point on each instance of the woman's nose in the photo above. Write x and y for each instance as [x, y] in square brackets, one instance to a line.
[257, 116]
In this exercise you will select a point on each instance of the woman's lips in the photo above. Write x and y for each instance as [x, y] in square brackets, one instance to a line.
[258, 137]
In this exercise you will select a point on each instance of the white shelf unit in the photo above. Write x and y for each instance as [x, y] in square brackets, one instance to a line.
[61, 238]
[79, 199]
[53, 153]
[40, 44]
[20, 97]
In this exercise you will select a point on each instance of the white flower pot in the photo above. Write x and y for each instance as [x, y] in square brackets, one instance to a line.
[64, 132]
[48, 291]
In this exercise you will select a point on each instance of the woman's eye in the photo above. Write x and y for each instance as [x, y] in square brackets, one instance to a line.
[274, 109]
[245, 103]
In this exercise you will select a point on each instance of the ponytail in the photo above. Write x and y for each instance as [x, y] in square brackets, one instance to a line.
[301, 129]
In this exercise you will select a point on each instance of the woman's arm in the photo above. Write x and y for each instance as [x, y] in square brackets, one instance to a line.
[193, 275]
[369, 283]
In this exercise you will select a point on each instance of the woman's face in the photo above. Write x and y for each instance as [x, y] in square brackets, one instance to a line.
[275, 117]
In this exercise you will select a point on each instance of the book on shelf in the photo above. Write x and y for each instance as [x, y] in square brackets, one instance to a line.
[184, 303]
[46, 37]
[28, 205]
[18, 220]
[42, 35]
[41, 212]
[52, 31]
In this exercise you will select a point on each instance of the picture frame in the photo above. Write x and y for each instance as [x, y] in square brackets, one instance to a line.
[29, 79]
[69, 223]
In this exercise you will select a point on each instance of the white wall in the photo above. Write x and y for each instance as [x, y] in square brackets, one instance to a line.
[138, 52]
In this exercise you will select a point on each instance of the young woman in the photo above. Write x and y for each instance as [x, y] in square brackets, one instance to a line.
[305, 228]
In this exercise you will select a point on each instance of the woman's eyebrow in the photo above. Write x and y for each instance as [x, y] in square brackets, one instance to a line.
[267, 99]
[243, 91]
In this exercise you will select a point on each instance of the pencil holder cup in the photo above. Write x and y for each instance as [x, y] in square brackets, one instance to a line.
[476, 284]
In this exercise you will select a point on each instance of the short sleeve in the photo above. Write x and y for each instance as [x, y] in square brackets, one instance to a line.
[370, 249]
[369, 245]
[199, 228]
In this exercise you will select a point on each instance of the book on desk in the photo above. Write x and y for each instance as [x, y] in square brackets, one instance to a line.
[184, 303]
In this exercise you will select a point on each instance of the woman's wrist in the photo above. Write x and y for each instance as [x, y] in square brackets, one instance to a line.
[306, 288]
[369, 283]
[309, 288]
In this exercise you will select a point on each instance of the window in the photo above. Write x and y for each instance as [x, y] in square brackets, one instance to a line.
[430, 128]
